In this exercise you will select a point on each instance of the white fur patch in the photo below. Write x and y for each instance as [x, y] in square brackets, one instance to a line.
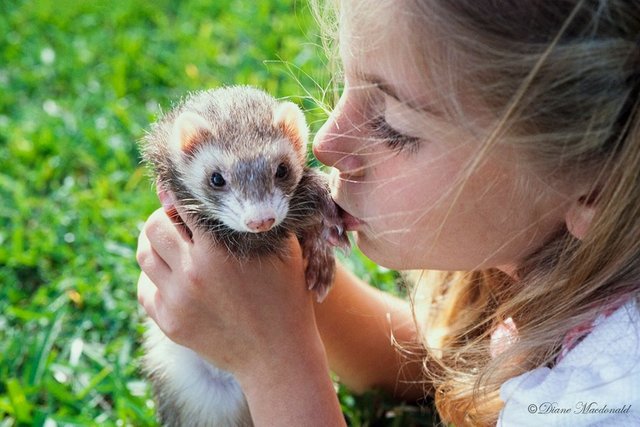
[242, 212]
[206, 160]
[208, 395]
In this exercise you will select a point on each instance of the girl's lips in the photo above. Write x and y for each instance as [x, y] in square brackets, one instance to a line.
[350, 222]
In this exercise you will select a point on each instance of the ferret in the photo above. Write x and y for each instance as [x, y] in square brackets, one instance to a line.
[235, 159]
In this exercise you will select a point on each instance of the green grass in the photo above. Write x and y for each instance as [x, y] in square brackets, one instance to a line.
[79, 83]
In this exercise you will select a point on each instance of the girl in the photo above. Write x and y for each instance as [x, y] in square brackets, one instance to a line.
[494, 142]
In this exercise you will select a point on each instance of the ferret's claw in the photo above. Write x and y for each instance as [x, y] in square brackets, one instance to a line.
[337, 237]
[321, 286]
[322, 292]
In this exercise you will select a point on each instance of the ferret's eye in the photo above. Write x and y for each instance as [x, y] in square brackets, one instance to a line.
[217, 180]
[282, 171]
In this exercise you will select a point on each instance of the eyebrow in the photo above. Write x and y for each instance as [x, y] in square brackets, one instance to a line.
[388, 89]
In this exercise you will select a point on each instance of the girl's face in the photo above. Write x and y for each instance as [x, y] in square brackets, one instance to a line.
[418, 190]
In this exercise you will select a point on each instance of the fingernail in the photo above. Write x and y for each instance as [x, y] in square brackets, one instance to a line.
[167, 199]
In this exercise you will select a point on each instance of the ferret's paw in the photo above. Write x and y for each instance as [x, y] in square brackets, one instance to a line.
[333, 230]
[337, 237]
[320, 278]
[321, 266]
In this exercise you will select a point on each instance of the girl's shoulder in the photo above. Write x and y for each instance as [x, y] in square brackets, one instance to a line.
[596, 383]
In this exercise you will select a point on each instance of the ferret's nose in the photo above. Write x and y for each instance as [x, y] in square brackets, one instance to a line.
[260, 225]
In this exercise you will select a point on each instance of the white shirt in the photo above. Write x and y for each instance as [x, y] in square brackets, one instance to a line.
[597, 383]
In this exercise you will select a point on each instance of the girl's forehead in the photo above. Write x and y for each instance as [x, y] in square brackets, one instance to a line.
[371, 34]
[385, 39]
[376, 47]
[366, 23]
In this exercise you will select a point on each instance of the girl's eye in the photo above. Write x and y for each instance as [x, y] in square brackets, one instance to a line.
[217, 180]
[282, 171]
[394, 139]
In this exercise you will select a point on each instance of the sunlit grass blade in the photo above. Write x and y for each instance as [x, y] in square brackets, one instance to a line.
[22, 409]
[43, 349]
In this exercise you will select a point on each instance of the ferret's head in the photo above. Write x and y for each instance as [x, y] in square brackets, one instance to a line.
[241, 159]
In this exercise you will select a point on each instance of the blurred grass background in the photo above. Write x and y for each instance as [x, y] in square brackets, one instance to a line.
[79, 83]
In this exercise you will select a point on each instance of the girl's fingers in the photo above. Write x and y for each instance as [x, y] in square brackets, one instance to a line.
[166, 197]
[149, 260]
[164, 239]
[169, 205]
[186, 226]
[147, 295]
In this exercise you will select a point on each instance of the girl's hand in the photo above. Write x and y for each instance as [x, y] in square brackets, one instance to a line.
[242, 316]
[253, 318]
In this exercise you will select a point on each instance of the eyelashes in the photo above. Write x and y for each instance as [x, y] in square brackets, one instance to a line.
[391, 137]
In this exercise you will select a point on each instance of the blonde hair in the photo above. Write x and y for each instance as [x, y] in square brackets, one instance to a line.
[562, 80]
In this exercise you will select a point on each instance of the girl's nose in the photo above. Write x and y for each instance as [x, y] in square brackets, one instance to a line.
[337, 142]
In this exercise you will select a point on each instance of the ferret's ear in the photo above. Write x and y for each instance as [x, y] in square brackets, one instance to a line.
[189, 130]
[290, 119]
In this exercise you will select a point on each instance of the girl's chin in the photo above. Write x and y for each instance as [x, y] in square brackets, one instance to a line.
[377, 252]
